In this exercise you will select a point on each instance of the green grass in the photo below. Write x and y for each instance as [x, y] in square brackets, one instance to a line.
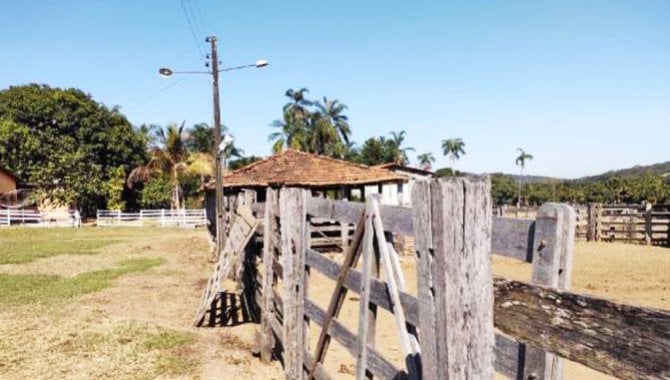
[23, 245]
[167, 339]
[43, 289]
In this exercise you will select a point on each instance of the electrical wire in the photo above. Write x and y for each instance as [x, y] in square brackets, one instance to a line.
[191, 27]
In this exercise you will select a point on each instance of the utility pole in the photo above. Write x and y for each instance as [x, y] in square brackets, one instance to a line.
[217, 141]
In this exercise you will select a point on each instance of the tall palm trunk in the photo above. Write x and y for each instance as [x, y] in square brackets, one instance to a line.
[518, 199]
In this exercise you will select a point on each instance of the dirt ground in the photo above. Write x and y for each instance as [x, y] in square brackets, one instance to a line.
[89, 337]
[633, 274]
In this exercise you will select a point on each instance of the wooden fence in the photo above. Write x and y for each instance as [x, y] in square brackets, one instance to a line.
[637, 224]
[32, 218]
[641, 224]
[152, 218]
[447, 330]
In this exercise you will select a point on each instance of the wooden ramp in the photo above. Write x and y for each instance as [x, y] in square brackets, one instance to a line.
[229, 264]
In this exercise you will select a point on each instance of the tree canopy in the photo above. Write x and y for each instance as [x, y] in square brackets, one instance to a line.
[65, 143]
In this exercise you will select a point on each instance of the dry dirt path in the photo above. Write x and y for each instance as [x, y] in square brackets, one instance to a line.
[139, 327]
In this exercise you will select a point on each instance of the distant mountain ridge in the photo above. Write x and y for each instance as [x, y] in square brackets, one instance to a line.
[662, 169]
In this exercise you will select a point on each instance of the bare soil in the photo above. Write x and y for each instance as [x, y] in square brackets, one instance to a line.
[99, 335]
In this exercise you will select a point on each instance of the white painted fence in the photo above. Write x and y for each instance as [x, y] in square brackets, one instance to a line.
[152, 218]
[32, 218]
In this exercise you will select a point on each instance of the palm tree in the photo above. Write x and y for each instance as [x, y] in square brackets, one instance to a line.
[453, 148]
[200, 139]
[290, 135]
[399, 153]
[296, 109]
[293, 126]
[521, 161]
[168, 156]
[331, 110]
[426, 160]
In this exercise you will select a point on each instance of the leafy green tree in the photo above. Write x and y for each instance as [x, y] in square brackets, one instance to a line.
[157, 193]
[503, 189]
[242, 162]
[65, 143]
[376, 151]
[169, 158]
[115, 186]
[200, 139]
[426, 160]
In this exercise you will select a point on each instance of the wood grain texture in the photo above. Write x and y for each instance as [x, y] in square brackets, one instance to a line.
[363, 313]
[624, 341]
[423, 240]
[267, 307]
[293, 246]
[461, 223]
[510, 237]
[551, 266]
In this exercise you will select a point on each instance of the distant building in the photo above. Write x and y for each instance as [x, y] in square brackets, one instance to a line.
[324, 176]
[8, 181]
[400, 194]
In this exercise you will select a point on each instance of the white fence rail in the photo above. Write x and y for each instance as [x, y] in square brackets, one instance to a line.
[152, 218]
[32, 218]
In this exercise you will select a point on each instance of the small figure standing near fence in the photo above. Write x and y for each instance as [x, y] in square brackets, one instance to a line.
[76, 216]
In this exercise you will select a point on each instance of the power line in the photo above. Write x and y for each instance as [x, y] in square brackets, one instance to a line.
[202, 20]
[156, 93]
[191, 28]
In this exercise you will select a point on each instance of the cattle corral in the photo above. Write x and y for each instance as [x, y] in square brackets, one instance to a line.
[58, 340]
[524, 240]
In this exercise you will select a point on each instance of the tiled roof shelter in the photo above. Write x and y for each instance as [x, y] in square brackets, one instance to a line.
[300, 169]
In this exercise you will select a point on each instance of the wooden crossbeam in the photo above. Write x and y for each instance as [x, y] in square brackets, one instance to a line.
[335, 305]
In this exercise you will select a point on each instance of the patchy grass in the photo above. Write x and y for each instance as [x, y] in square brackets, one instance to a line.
[22, 245]
[42, 289]
[133, 349]
[167, 339]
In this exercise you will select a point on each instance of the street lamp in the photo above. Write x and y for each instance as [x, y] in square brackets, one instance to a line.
[218, 143]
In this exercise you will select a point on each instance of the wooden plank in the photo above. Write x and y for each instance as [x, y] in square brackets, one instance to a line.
[378, 289]
[363, 314]
[410, 348]
[507, 353]
[513, 238]
[621, 340]
[510, 237]
[377, 364]
[423, 240]
[461, 224]
[293, 227]
[267, 308]
[339, 274]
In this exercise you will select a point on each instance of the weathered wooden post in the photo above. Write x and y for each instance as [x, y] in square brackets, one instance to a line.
[270, 231]
[452, 224]
[553, 245]
[648, 226]
[591, 222]
[293, 216]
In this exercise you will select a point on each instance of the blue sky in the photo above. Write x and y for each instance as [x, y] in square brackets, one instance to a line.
[582, 85]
